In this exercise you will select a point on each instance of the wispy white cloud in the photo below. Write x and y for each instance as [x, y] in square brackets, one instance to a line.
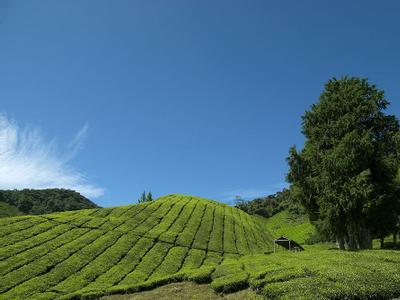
[251, 193]
[29, 161]
[77, 142]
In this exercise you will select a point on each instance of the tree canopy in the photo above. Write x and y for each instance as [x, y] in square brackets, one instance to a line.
[145, 197]
[271, 204]
[345, 174]
[32, 201]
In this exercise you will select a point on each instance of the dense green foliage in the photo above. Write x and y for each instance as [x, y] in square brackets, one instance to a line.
[112, 250]
[345, 174]
[271, 205]
[29, 201]
[7, 210]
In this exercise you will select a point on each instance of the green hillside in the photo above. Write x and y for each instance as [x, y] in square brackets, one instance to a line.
[111, 250]
[297, 228]
[89, 253]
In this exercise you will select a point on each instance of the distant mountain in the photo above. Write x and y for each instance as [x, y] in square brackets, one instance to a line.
[35, 202]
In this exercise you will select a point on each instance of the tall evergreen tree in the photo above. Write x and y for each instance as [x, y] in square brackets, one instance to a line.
[142, 198]
[149, 197]
[345, 174]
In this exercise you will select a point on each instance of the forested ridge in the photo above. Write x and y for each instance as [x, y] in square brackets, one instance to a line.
[32, 201]
[270, 205]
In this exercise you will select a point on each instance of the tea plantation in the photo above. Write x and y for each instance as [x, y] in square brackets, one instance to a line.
[313, 274]
[95, 252]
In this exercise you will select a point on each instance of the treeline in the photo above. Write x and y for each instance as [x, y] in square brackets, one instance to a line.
[271, 205]
[32, 201]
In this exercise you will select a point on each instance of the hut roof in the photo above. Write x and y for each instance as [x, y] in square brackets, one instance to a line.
[288, 244]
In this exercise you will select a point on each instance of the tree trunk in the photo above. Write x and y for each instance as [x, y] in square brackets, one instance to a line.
[340, 231]
[340, 242]
[351, 240]
[382, 241]
[365, 240]
[395, 238]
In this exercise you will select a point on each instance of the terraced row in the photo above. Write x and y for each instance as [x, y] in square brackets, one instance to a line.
[313, 274]
[65, 255]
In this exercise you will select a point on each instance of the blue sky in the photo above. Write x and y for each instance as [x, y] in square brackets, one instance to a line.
[196, 97]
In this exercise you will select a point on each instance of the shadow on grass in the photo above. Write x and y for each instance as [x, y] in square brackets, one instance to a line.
[391, 246]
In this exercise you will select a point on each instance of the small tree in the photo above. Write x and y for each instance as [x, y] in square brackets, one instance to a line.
[142, 198]
[240, 203]
[145, 197]
[149, 197]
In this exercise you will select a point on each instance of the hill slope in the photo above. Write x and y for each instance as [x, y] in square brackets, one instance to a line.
[297, 228]
[97, 251]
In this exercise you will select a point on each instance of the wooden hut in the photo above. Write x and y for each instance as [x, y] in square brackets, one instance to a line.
[288, 244]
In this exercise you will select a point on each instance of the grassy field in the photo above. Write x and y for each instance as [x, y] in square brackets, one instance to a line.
[96, 252]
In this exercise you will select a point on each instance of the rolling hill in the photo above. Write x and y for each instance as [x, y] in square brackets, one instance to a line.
[97, 251]
[103, 251]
